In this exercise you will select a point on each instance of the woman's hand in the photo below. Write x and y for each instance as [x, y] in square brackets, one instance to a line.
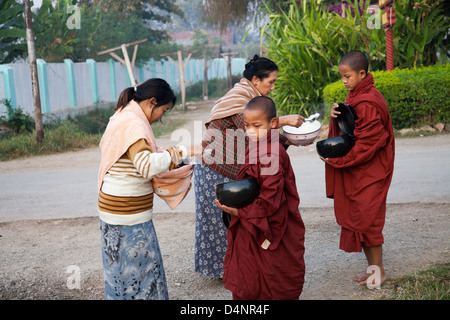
[334, 113]
[293, 120]
[194, 150]
[232, 211]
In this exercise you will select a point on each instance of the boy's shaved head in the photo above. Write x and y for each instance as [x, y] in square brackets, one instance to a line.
[356, 60]
[265, 104]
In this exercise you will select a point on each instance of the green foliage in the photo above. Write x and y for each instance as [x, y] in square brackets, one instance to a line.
[300, 42]
[419, 33]
[12, 31]
[307, 42]
[103, 24]
[354, 28]
[414, 97]
[54, 40]
[16, 119]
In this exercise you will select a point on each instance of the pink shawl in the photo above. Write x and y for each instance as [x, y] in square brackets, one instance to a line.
[127, 126]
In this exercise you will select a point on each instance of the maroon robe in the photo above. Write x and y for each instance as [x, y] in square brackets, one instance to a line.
[359, 181]
[264, 259]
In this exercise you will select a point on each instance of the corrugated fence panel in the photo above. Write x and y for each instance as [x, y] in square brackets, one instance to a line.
[83, 84]
[103, 81]
[58, 91]
[22, 85]
[111, 76]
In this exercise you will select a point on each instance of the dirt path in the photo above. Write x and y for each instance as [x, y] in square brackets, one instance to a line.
[37, 252]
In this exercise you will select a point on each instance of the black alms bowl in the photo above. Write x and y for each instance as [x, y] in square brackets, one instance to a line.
[335, 147]
[237, 193]
[346, 119]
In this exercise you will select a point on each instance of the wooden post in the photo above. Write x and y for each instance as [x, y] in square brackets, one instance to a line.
[34, 73]
[126, 59]
[206, 66]
[181, 68]
[128, 65]
[183, 86]
[228, 57]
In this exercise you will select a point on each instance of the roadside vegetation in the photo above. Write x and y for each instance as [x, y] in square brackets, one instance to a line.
[432, 283]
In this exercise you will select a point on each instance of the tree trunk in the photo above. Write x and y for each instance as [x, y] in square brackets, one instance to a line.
[34, 73]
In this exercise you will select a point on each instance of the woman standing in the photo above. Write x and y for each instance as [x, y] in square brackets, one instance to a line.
[220, 164]
[130, 163]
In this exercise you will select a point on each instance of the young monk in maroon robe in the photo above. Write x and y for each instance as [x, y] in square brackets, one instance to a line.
[359, 181]
[264, 259]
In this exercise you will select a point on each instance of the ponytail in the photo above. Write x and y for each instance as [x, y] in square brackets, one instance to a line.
[125, 97]
[152, 88]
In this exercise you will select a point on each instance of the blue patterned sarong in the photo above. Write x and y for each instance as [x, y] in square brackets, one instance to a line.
[210, 231]
[132, 262]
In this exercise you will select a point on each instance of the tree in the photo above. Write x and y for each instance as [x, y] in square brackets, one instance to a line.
[54, 40]
[12, 31]
[34, 72]
[222, 13]
[104, 24]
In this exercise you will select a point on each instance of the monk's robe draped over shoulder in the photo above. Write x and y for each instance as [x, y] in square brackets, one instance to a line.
[359, 181]
[264, 259]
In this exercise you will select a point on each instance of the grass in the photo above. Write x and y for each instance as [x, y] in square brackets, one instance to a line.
[65, 137]
[432, 283]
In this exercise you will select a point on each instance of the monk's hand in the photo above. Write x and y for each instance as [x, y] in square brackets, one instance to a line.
[293, 120]
[232, 211]
[290, 143]
[325, 160]
[334, 113]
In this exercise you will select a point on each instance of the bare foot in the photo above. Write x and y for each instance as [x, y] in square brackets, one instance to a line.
[375, 281]
[361, 277]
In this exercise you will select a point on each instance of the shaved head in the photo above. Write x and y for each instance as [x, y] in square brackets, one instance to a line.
[356, 60]
[264, 104]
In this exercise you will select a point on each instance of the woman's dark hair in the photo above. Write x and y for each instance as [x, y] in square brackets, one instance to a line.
[152, 88]
[260, 67]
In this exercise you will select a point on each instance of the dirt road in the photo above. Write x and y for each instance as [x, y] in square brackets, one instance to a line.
[48, 224]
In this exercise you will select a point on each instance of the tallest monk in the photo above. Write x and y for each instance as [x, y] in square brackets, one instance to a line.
[359, 181]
